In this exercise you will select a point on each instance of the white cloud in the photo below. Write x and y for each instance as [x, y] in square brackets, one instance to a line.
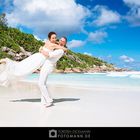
[86, 53]
[75, 43]
[132, 2]
[105, 16]
[126, 59]
[133, 19]
[133, 16]
[42, 16]
[97, 36]
[36, 37]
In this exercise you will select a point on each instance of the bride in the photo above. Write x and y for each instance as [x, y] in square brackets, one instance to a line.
[15, 70]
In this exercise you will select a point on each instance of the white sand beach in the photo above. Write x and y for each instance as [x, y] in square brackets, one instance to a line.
[73, 107]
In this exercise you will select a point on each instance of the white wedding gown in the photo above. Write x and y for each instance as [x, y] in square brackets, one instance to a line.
[14, 70]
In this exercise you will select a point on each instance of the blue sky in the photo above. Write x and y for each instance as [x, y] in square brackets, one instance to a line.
[107, 29]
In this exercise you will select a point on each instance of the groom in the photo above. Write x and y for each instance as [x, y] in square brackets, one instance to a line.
[47, 68]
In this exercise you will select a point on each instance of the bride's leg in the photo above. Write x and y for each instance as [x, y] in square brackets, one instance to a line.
[46, 69]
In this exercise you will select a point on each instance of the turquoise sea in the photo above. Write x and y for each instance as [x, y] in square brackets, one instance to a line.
[93, 79]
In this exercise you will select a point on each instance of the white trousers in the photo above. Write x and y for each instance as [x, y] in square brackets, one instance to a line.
[46, 69]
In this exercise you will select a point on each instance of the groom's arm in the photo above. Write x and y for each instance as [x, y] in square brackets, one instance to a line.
[55, 53]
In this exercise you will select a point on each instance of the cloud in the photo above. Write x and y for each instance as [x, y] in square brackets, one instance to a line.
[36, 37]
[126, 59]
[76, 43]
[105, 16]
[132, 2]
[133, 16]
[63, 16]
[86, 53]
[97, 36]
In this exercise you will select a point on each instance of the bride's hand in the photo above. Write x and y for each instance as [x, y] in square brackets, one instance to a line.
[45, 53]
[60, 47]
[40, 49]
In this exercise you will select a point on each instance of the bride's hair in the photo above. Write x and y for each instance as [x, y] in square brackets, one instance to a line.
[50, 34]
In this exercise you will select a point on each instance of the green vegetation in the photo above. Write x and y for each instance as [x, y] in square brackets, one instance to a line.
[3, 20]
[13, 38]
[78, 60]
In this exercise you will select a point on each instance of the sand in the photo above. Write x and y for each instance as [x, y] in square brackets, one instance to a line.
[73, 107]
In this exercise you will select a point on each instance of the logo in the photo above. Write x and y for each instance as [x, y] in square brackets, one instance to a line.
[52, 133]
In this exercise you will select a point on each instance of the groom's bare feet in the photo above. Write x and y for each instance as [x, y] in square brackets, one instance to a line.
[50, 100]
[48, 104]
[3, 61]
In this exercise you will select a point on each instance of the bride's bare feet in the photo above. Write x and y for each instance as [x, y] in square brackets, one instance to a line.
[3, 61]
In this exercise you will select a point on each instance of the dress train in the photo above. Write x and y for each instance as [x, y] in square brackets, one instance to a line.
[14, 70]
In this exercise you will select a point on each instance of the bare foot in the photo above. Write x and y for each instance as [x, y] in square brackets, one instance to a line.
[2, 61]
[47, 99]
[50, 100]
[48, 104]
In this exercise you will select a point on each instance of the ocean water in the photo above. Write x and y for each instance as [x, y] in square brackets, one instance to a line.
[127, 80]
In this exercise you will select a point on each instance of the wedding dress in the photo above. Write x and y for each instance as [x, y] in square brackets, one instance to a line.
[14, 70]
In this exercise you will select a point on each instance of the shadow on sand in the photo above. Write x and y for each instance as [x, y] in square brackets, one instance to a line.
[54, 100]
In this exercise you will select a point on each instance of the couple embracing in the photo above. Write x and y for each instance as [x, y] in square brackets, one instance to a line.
[45, 59]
